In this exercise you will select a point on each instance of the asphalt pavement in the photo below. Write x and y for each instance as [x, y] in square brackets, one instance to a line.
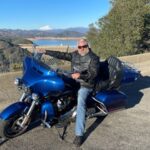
[127, 129]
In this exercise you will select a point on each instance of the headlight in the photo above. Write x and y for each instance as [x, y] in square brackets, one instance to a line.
[17, 81]
[35, 96]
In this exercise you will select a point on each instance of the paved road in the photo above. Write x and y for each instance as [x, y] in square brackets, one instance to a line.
[128, 129]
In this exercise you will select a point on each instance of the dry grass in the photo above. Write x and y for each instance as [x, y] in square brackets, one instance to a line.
[55, 48]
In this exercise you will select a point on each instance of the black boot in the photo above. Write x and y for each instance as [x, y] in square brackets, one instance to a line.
[78, 141]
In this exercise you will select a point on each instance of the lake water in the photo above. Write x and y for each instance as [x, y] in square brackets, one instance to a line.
[56, 42]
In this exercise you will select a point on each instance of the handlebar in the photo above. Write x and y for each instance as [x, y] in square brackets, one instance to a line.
[64, 72]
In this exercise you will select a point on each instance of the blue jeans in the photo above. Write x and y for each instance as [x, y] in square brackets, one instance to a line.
[81, 110]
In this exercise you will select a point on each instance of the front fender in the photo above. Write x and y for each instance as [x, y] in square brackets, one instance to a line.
[13, 109]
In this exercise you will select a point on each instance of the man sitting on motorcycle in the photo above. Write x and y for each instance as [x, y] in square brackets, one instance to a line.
[85, 67]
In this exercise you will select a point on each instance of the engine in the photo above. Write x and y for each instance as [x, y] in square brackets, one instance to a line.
[64, 103]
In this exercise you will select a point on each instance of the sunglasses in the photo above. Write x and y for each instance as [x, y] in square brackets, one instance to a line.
[84, 46]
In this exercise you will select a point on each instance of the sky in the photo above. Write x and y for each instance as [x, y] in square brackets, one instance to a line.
[51, 14]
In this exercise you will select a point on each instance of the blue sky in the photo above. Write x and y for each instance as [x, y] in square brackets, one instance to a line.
[36, 14]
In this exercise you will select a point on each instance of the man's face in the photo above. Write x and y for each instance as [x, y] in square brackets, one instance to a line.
[83, 48]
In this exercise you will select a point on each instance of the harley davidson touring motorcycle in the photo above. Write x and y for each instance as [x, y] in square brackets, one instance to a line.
[49, 95]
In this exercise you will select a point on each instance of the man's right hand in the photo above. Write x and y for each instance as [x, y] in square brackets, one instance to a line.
[75, 75]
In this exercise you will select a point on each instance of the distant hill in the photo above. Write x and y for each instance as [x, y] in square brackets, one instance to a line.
[70, 32]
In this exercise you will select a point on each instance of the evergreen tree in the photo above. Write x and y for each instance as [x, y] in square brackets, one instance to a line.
[124, 30]
[92, 34]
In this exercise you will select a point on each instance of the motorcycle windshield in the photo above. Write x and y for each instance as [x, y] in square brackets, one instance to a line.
[40, 77]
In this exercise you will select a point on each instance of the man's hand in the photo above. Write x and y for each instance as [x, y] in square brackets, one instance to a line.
[75, 75]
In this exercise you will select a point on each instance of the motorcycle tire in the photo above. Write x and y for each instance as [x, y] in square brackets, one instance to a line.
[10, 129]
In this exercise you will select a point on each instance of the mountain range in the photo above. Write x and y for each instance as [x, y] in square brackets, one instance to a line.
[68, 32]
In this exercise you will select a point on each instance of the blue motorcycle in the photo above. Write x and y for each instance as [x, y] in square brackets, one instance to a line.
[49, 95]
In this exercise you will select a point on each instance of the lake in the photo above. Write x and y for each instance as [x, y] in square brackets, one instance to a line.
[55, 42]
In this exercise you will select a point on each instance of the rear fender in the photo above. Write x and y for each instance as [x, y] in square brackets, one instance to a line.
[13, 109]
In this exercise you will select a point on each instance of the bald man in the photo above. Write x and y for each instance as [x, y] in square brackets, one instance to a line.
[85, 66]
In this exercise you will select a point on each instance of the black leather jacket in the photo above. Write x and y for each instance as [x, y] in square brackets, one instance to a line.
[87, 66]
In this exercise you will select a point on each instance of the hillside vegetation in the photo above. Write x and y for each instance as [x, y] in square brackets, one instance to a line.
[11, 55]
[124, 31]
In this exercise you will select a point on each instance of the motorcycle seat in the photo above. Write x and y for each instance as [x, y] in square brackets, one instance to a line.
[110, 74]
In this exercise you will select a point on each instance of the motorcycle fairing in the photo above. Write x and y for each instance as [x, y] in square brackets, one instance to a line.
[13, 109]
[112, 99]
[40, 77]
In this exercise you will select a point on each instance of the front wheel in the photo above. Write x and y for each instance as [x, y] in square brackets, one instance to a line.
[11, 128]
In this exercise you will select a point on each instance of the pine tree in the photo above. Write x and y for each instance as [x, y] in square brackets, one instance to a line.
[124, 30]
